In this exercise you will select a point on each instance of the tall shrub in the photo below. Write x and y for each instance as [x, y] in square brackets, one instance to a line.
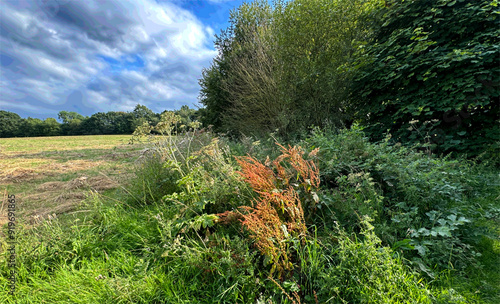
[432, 75]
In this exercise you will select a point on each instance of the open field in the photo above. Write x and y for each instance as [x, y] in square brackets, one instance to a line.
[53, 174]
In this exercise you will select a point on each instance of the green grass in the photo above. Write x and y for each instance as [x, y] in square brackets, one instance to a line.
[129, 245]
[60, 143]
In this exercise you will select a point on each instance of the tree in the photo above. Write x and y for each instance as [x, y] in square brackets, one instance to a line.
[284, 66]
[317, 40]
[256, 104]
[50, 127]
[32, 127]
[432, 74]
[108, 123]
[188, 117]
[212, 96]
[10, 124]
[142, 114]
[71, 122]
[67, 117]
[122, 122]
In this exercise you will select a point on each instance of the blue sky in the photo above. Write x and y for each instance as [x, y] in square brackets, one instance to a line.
[94, 56]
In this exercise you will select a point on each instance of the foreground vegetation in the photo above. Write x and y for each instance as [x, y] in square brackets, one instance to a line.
[425, 71]
[332, 218]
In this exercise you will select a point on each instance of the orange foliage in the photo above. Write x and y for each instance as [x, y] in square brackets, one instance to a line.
[278, 215]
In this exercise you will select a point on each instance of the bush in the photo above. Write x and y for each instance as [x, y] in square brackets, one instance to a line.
[431, 75]
[418, 202]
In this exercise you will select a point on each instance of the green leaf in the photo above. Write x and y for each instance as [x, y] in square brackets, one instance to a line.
[443, 231]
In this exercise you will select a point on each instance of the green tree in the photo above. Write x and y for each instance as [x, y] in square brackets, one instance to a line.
[122, 121]
[317, 40]
[32, 127]
[108, 123]
[212, 96]
[142, 114]
[50, 127]
[10, 124]
[256, 103]
[432, 74]
[67, 117]
[71, 122]
[284, 66]
[188, 117]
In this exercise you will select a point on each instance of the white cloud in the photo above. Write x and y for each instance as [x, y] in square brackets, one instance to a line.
[54, 49]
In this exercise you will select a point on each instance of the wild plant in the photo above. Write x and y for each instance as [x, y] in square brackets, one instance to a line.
[277, 216]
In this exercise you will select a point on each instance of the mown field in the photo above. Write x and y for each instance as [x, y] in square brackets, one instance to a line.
[197, 218]
[51, 175]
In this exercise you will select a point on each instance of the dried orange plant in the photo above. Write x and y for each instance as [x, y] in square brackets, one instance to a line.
[277, 216]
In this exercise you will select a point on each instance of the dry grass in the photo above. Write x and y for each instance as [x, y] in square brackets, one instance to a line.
[20, 174]
[53, 175]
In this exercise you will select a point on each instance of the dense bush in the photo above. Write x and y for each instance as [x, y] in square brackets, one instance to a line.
[432, 76]
[277, 69]
[421, 205]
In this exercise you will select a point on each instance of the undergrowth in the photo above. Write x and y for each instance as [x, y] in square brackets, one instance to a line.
[331, 219]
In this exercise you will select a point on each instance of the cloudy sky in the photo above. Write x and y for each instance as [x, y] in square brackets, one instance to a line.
[93, 56]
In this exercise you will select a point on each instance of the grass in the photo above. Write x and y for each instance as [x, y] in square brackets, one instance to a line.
[147, 231]
[52, 174]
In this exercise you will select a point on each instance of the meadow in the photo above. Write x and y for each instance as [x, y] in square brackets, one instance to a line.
[51, 174]
[197, 218]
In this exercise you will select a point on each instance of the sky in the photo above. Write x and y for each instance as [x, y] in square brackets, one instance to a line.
[93, 56]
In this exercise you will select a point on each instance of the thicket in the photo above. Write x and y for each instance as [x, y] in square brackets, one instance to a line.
[332, 218]
[426, 72]
[283, 66]
[431, 75]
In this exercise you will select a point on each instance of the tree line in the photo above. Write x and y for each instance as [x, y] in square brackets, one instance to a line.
[101, 123]
[426, 72]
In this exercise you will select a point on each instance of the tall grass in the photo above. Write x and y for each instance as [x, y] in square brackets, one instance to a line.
[168, 238]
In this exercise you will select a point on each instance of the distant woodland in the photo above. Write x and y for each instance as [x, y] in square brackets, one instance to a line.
[101, 123]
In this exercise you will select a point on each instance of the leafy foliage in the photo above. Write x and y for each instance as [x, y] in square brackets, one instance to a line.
[278, 215]
[361, 271]
[434, 63]
[419, 203]
[277, 69]
[10, 124]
